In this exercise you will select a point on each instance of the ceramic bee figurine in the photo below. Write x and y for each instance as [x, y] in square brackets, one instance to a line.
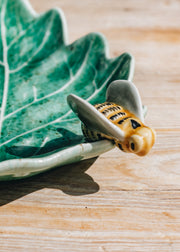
[119, 119]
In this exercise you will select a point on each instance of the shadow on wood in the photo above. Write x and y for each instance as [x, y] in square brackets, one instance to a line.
[71, 179]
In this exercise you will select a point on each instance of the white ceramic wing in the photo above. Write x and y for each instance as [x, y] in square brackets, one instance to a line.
[92, 118]
[125, 94]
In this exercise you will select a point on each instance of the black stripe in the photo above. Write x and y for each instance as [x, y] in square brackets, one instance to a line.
[100, 106]
[111, 109]
[124, 119]
[109, 104]
[116, 115]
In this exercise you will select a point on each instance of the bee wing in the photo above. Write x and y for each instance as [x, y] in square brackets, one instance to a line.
[92, 118]
[125, 94]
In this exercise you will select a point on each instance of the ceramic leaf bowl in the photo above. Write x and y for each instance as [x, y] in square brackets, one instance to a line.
[38, 70]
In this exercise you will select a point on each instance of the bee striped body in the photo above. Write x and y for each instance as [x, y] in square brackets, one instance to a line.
[138, 137]
[110, 111]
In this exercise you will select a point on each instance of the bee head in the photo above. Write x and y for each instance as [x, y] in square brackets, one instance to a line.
[142, 141]
[139, 140]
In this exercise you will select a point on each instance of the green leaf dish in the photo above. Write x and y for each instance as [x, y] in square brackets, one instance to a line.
[38, 70]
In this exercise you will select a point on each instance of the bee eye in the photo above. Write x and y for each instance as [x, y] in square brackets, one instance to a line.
[132, 146]
[135, 124]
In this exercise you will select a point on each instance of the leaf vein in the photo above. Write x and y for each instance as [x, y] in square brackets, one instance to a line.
[38, 128]
[105, 82]
[57, 91]
[6, 66]
[38, 49]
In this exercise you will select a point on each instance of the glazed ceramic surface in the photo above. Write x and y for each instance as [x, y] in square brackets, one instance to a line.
[120, 92]
[120, 118]
[38, 70]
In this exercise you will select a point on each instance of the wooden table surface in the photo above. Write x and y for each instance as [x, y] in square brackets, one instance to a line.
[117, 202]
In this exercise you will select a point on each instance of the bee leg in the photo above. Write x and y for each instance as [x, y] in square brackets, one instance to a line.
[90, 135]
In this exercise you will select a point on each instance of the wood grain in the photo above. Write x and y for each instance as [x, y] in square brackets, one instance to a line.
[117, 202]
